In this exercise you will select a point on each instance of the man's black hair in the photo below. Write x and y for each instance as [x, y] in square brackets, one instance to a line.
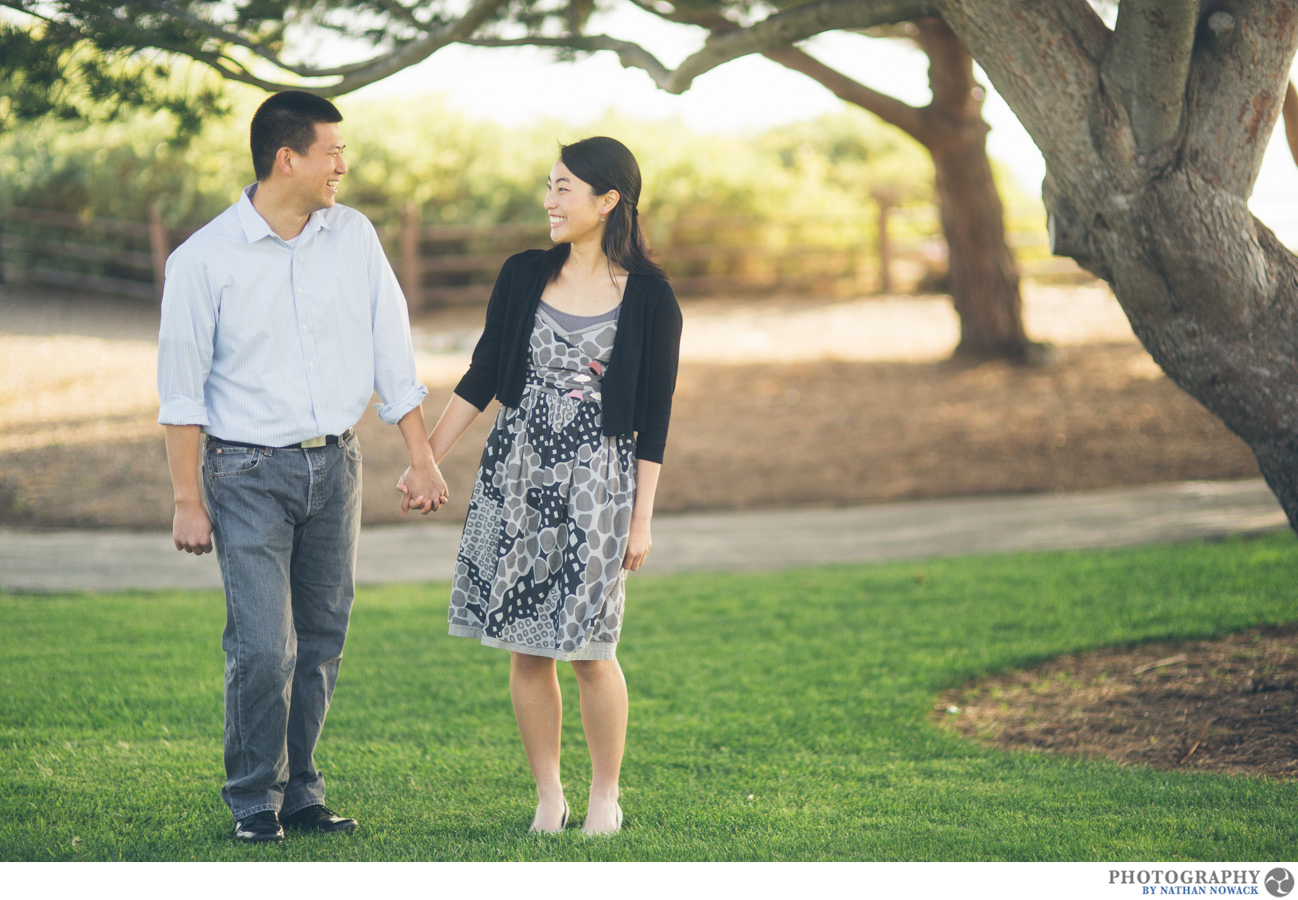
[287, 119]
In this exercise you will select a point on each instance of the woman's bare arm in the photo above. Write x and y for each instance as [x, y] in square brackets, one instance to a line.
[646, 486]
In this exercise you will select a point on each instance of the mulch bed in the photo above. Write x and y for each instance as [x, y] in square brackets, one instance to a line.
[1224, 705]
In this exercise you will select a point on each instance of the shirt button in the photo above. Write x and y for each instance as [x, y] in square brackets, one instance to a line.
[310, 365]
[299, 290]
[304, 328]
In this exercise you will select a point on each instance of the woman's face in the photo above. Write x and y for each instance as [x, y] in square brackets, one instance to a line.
[574, 208]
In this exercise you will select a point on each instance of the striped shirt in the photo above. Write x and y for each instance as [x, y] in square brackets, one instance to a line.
[273, 343]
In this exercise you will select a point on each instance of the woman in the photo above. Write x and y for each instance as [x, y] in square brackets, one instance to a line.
[580, 346]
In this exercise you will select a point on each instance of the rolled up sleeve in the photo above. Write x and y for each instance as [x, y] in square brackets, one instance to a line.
[396, 379]
[185, 340]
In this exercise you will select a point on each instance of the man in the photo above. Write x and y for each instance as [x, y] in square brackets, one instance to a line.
[280, 318]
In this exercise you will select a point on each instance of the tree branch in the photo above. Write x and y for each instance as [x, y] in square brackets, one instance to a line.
[1291, 119]
[419, 50]
[777, 30]
[709, 19]
[401, 12]
[726, 40]
[890, 109]
[1043, 59]
[350, 77]
[1149, 65]
[225, 36]
[631, 55]
[1240, 74]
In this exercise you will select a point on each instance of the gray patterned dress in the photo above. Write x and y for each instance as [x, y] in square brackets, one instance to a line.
[540, 564]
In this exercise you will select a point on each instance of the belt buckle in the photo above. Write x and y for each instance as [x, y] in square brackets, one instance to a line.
[315, 442]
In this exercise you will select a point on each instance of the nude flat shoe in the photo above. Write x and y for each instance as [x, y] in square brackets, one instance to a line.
[563, 823]
[615, 830]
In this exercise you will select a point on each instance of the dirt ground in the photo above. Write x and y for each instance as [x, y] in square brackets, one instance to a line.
[781, 403]
[1226, 705]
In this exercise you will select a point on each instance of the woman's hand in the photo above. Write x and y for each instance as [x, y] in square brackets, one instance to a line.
[637, 547]
[422, 491]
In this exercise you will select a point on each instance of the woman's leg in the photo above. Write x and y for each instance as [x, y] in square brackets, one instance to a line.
[603, 718]
[538, 707]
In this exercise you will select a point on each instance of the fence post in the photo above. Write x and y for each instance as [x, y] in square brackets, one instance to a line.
[412, 275]
[158, 247]
[886, 199]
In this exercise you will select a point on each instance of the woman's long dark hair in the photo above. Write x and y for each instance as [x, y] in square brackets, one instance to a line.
[607, 165]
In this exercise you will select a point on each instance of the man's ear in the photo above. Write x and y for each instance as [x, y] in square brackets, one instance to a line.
[284, 158]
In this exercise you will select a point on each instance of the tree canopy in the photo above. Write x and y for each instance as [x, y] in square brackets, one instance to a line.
[263, 42]
[54, 67]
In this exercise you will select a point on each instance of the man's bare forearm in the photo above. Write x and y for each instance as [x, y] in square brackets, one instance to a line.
[183, 445]
[416, 437]
[191, 529]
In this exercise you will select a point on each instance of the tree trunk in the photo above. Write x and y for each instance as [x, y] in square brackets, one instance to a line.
[1153, 136]
[984, 279]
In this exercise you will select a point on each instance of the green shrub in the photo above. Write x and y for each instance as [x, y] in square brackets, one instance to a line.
[465, 170]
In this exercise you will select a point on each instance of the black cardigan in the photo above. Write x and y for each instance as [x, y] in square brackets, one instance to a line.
[637, 388]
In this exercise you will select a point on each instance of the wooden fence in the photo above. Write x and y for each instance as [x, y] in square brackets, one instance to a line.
[895, 249]
[94, 254]
[892, 249]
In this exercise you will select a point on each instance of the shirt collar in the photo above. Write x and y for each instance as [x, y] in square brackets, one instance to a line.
[255, 227]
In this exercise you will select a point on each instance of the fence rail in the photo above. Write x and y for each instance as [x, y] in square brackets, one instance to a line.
[106, 255]
[892, 248]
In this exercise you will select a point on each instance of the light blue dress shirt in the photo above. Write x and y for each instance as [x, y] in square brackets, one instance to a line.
[269, 342]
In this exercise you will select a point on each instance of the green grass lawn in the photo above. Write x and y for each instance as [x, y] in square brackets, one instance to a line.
[773, 716]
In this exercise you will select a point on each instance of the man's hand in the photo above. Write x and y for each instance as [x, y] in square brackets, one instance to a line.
[191, 529]
[422, 488]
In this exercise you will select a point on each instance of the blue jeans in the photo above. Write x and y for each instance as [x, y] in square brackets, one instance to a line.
[285, 524]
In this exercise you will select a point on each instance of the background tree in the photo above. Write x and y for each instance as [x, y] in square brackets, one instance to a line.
[983, 277]
[1153, 133]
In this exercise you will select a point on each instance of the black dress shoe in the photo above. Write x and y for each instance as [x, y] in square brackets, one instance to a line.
[319, 818]
[259, 828]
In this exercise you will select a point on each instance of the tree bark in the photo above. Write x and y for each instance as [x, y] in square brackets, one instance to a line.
[984, 278]
[1291, 119]
[1148, 187]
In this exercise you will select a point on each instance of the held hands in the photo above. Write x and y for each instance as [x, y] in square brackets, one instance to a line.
[637, 548]
[422, 488]
[191, 529]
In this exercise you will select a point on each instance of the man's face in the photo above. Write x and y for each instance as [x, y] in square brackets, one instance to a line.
[316, 174]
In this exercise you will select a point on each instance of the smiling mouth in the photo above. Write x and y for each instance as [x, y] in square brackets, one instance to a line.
[332, 185]
[556, 221]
